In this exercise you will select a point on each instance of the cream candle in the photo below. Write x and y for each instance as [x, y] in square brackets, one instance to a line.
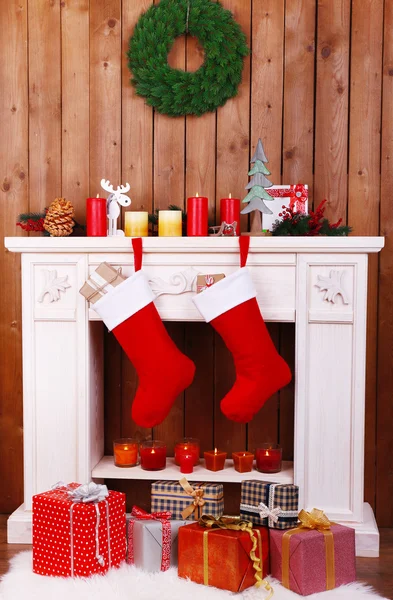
[170, 223]
[136, 223]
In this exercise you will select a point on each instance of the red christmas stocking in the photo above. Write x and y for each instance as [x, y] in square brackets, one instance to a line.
[231, 307]
[164, 372]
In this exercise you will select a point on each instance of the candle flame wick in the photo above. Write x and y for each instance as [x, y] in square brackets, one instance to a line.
[215, 450]
[267, 453]
[97, 196]
[125, 448]
[153, 451]
[197, 195]
[230, 195]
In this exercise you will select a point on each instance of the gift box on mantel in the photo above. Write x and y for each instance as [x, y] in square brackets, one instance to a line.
[78, 530]
[103, 280]
[187, 501]
[152, 540]
[269, 504]
[227, 553]
[294, 197]
[314, 557]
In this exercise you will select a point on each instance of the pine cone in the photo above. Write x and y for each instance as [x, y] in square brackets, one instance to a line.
[58, 220]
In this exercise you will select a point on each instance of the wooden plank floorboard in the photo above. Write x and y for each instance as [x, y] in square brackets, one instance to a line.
[373, 571]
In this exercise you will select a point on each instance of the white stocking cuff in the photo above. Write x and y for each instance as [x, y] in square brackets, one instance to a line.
[225, 294]
[125, 300]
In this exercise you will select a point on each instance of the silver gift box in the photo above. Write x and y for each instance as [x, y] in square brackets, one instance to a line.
[147, 537]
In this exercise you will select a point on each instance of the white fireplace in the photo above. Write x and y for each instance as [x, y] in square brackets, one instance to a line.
[318, 283]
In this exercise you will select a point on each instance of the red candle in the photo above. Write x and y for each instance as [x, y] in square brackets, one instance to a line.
[230, 211]
[153, 456]
[96, 225]
[187, 446]
[243, 461]
[197, 215]
[186, 463]
[215, 460]
[269, 458]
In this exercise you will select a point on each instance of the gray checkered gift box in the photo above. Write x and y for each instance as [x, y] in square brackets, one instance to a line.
[270, 504]
[170, 495]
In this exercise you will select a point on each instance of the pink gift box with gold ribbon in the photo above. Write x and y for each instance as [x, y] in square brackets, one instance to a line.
[309, 561]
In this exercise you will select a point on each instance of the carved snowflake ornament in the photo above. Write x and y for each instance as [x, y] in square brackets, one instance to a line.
[332, 286]
[53, 285]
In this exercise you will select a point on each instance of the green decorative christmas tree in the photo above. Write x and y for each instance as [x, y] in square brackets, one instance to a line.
[257, 186]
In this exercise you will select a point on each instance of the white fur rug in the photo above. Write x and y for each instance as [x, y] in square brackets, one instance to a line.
[130, 583]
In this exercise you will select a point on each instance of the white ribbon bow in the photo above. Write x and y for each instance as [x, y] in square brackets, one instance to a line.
[89, 492]
[264, 511]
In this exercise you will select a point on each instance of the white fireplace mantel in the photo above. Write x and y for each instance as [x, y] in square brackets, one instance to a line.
[318, 283]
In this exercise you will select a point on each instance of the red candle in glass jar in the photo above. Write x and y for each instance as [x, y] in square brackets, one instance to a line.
[186, 463]
[197, 216]
[96, 218]
[268, 458]
[152, 455]
[230, 211]
[187, 446]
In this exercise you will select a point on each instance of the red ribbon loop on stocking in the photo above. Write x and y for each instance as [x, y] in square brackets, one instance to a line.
[244, 241]
[137, 247]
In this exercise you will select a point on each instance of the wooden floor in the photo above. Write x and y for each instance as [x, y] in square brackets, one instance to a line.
[377, 572]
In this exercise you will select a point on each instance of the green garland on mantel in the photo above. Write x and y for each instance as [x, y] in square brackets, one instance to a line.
[175, 92]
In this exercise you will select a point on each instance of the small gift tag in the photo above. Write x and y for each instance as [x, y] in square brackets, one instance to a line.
[101, 281]
[206, 281]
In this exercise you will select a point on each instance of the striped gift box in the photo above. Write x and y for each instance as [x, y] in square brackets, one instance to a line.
[170, 495]
[269, 504]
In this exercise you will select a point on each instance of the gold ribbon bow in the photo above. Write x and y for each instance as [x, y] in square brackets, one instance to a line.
[197, 495]
[315, 520]
[235, 524]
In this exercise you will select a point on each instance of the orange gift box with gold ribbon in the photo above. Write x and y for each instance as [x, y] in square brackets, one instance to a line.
[316, 556]
[227, 553]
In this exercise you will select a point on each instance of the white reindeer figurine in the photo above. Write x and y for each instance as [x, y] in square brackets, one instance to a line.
[115, 198]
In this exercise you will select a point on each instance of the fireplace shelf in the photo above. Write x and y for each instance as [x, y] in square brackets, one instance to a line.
[317, 283]
[106, 469]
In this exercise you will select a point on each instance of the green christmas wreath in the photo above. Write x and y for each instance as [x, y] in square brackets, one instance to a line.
[175, 92]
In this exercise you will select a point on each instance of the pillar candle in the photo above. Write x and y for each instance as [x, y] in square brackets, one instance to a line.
[170, 223]
[268, 458]
[243, 461]
[230, 211]
[96, 218]
[125, 452]
[197, 216]
[153, 455]
[136, 223]
[215, 460]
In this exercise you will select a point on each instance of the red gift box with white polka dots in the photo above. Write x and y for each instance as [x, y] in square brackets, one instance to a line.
[75, 538]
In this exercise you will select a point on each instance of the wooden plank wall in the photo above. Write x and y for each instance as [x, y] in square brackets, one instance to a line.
[317, 89]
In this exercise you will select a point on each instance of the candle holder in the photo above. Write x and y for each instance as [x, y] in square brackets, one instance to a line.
[269, 458]
[136, 223]
[187, 446]
[125, 452]
[153, 455]
[215, 460]
[243, 461]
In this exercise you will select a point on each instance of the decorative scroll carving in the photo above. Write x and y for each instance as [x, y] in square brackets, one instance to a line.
[332, 286]
[178, 283]
[53, 285]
